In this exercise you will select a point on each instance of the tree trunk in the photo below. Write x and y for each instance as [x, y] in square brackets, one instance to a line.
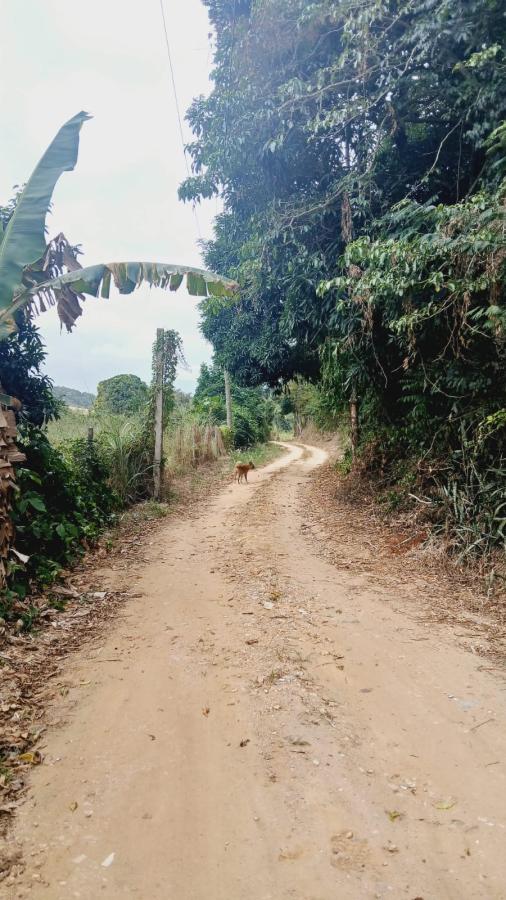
[347, 234]
[354, 423]
[228, 399]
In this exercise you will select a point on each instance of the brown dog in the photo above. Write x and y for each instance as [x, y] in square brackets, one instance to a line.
[241, 471]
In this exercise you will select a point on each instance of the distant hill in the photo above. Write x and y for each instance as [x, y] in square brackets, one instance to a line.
[73, 397]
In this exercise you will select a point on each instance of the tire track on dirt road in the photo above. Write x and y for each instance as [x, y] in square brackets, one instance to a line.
[260, 726]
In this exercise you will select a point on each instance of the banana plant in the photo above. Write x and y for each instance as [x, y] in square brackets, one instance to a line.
[35, 275]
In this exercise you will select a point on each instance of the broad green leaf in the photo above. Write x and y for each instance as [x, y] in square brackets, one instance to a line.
[106, 286]
[197, 284]
[66, 291]
[60, 531]
[23, 242]
[176, 281]
[37, 503]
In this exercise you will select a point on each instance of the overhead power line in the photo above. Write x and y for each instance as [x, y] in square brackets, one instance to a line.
[178, 109]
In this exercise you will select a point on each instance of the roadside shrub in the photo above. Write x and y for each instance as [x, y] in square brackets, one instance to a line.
[63, 498]
[127, 451]
[253, 409]
[420, 336]
[245, 431]
[227, 435]
[62, 504]
[91, 472]
[469, 485]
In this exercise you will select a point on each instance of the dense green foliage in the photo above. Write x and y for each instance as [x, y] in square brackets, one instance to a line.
[322, 119]
[252, 408]
[64, 497]
[420, 316]
[121, 395]
[21, 360]
[63, 503]
[73, 397]
[169, 343]
[359, 149]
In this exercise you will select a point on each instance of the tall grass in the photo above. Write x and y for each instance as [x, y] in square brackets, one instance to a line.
[190, 442]
[125, 447]
[129, 458]
[71, 425]
[121, 442]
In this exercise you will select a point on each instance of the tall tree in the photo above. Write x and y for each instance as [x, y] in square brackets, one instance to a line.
[360, 151]
[322, 118]
[121, 395]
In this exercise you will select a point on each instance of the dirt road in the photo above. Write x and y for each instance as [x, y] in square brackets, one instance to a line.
[261, 726]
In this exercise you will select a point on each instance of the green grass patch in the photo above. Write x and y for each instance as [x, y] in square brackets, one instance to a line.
[260, 454]
[74, 424]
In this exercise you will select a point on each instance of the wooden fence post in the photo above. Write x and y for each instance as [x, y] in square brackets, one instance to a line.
[354, 424]
[91, 435]
[228, 399]
[157, 463]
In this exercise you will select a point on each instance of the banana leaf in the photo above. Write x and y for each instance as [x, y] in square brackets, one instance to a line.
[67, 291]
[23, 241]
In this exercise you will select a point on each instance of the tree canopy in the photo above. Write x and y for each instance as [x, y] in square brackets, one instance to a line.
[360, 148]
[253, 409]
[122, 394]
[324, 117]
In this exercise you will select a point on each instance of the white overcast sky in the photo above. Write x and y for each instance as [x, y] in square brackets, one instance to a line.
[108, 57]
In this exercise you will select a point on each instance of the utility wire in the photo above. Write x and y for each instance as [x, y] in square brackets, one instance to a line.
[178, 109]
